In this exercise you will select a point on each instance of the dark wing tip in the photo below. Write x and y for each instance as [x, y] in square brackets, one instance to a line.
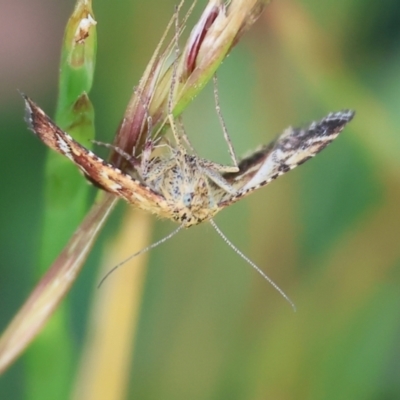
[329, 126]
[338, 119]
[345, 115]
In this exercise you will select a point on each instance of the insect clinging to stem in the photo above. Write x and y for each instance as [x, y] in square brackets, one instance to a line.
[182, 186]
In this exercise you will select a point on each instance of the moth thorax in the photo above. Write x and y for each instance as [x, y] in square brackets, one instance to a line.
[193, 203]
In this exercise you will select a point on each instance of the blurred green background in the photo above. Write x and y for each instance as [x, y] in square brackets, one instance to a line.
[327, 233]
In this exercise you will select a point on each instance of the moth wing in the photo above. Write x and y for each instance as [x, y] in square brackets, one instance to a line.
[291, 149]
[93, 167]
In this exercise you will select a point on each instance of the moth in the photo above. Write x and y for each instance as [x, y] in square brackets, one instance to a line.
[184, 187]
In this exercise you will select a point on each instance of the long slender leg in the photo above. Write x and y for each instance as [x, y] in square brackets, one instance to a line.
[171, 118]
[148, 143]
[223, 125]
[217, 178]
[148, 146]
[216, 166]
[128, 157]
[170, 106]
[185, 137]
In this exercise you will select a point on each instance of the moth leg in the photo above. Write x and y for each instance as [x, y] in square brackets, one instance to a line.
[147, 118]
[146, 155]
[220, 168]
[156, 169]
[218, 179]
[170, 116]
[131, 159]
[184, 135]
[223, 125]
[214, 170]
[148, 145]
[175, 133]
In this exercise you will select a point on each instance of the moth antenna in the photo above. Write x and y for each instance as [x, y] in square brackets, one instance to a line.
[152, 246]
[260, 271]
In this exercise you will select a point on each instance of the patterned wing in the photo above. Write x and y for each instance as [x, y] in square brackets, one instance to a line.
[94, 168]
[291, 149]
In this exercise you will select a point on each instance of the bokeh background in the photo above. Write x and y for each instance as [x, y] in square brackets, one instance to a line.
[328, 233]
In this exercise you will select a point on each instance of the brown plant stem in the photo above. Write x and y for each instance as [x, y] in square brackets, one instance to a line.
[54, 285]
